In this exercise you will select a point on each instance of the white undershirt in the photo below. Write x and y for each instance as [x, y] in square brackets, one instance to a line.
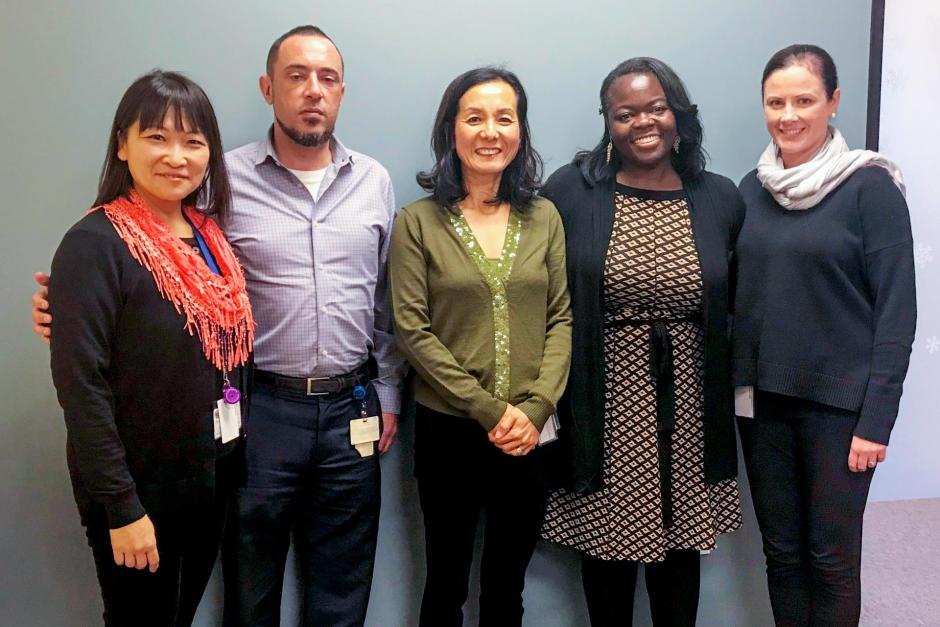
[311, 179]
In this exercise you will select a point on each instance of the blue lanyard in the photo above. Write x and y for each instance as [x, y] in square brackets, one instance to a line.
[210, 260]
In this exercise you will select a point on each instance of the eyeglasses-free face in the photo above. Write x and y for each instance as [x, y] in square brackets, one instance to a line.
[642, 126]
[486, 130]
[797, 112]
[166, 163]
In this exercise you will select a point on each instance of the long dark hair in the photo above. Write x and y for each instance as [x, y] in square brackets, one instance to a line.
[147, 102]
[688, 163]
[815, 58]
[521, 179]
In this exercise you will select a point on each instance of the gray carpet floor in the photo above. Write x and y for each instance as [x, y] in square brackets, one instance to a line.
[901, 564]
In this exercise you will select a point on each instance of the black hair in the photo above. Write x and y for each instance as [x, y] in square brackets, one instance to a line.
[813, 57]
[521, 179]
[147, 102]
[688, 163]
[308, 30]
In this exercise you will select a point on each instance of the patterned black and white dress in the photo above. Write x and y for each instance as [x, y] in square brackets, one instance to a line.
[651, 272]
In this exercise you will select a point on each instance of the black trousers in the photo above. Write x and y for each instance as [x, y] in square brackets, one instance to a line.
[809, 507]
[188, 542]
[303, 475]
[672, 585]
[460, 472]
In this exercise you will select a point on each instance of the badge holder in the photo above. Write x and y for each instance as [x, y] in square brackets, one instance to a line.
[363, 431]
[227, 416]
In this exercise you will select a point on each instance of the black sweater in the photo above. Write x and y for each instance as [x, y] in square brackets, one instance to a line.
[825, 306]
[135, 387]
[587, 213]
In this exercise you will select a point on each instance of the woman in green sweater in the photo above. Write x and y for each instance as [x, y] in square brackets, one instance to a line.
[481, 312]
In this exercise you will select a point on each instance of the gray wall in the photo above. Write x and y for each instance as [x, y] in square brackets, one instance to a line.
[65, 64]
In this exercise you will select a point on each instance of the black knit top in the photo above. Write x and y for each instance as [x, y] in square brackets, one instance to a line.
[825, 307]
[136, 390]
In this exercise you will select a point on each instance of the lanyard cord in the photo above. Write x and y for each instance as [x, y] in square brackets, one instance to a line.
[210, 260]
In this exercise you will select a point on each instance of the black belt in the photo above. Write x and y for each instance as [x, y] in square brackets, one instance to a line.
[663, 374]
[311, 386]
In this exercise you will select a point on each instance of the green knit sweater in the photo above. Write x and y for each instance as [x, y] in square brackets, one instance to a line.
[446, 323]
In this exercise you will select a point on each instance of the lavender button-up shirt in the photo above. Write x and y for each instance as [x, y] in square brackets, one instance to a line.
[316, 267]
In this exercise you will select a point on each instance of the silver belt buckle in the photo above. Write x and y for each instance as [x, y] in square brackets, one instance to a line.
[310, 381]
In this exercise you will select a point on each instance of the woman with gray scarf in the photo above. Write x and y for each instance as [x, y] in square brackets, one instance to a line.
[824, 322]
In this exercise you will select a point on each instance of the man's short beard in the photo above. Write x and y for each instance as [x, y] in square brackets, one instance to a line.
[310, 140]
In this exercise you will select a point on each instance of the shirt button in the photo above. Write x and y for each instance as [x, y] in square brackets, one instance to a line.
[323, 351]
[323, 308]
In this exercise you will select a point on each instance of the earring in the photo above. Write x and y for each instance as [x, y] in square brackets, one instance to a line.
[610, 150]
[675, 145]
[833, 115]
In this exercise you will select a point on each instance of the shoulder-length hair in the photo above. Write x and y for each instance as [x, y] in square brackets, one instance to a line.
[688, 163]
[521, 179]
[147, 102]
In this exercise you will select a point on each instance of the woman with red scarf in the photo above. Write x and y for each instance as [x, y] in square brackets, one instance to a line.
[152, 325]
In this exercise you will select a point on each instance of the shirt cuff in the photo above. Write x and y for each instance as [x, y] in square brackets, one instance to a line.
[389, 397]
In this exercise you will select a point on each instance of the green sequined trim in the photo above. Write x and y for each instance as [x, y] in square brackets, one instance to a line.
[496, 273]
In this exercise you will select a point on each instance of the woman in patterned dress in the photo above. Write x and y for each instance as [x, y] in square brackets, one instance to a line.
[480, 304]
[647, 422]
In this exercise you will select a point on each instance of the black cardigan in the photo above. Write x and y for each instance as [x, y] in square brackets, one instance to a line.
[587, 213]
[136, 390]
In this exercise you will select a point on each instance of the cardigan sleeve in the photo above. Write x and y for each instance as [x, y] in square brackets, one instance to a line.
[556, 354]
[85, 301]
[411, 309]
[889, 265]
[738, 210]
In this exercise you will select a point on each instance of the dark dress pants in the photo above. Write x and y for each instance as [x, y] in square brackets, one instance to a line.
[188, 543]
[672, 585]
[809, 507]
[304, 475]
[460, 472]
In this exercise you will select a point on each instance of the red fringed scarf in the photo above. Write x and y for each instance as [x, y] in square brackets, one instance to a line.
[216, 307]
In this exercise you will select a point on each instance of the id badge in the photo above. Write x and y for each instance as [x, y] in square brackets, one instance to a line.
[229, 416]
[744, 401]
[550, 431]
[363, 434]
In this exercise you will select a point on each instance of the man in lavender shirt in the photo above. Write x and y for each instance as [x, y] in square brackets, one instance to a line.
[310, 222]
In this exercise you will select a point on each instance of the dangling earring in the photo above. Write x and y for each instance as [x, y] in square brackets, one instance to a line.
[610, 150]
[675, 145]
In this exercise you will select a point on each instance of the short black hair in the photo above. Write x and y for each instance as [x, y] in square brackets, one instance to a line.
[813, 57]
[688, 163]
[147, 102]
[521, 179]
[308, 30]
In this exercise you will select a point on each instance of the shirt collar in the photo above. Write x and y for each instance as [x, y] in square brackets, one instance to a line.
[265, 150]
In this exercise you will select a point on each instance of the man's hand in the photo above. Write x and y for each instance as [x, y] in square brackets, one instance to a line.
[514, 434]
[389, 431]
[41, 317]
[135, 545]
[865, 454]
